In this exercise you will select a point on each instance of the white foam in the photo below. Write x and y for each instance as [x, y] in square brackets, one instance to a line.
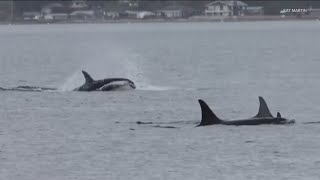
[149, 87]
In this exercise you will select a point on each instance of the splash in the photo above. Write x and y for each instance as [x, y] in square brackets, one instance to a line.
[75, 80]
[136, 73]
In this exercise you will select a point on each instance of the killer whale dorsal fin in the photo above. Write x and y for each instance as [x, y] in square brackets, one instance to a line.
[278, 115]
[263, 109]
[208, 117]
[88, 78]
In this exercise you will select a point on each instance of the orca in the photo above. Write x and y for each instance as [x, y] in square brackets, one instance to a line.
[109, 84]
[28, 88]
[263, 117]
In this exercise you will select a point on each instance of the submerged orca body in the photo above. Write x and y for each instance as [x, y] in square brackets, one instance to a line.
[263, 117]
[29, 88]
[109, 84]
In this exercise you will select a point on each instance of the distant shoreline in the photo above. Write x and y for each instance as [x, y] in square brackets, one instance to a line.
[177, 20]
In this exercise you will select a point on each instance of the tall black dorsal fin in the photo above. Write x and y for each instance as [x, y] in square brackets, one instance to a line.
[278, 115]
[263, 109]
[87, 77]
[208, 117]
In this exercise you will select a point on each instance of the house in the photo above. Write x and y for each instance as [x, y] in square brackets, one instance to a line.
[82, 14]
[112, 14]
[31, 15]
[118, 11]
[175, 11]
[54, 11]
[139, 14]
[78, 4]
[53, 8]
[226, 8]
[145, 14]
[55, 16]
[131, 14]
[254, 10]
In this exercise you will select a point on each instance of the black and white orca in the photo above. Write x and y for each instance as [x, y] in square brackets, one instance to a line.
[108, 84]
[263, 117]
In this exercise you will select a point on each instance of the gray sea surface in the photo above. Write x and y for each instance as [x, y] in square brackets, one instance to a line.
[64, 134]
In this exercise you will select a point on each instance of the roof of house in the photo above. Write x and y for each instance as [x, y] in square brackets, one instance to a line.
[82, 12]
[228, 3]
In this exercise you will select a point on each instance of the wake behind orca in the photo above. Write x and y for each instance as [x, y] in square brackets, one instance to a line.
[263, 117]
[108, 84]
[28, 88]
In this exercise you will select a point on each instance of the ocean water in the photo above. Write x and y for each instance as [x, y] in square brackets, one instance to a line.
[93, 135]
